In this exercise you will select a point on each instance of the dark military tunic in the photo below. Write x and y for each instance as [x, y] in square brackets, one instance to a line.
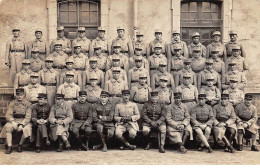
[202, 115]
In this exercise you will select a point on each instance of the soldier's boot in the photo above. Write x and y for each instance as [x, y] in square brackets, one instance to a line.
[185, 137]
[86, 146]
[209, 149]
[240, 147]
[254, 148]
[68, 146]
[20, 148]
[47, 142]
[148, 142]
[104, 149]
[228, 147]
[9, 150]
[38, 150]
[60, 144]
[182, 148]
[162, 142]
[122, 139]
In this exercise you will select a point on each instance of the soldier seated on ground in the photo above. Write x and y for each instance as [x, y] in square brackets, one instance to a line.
[246, 122]
[40, 114]
[202, 118]
[81, 124]
[178, 122]
[154, 114]
[18, 117]
[126, 116]
[60, 117]
[103, 114]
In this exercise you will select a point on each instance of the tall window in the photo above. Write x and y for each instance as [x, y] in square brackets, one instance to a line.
[79, 13]
[200, 16]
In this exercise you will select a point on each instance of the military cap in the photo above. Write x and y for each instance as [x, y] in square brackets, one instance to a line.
[198, 48]
[81, 29]
[142, 75]
[249, 96]
[58, 44]
[232, 62]
[232, 32]
[104, 93]
[42, 95]
[93, 77]
[69, 73]
[158, 46]
[38, 30]
[60, 96]
[93, 59]
[116, 69]
[16, 29]
[177, 47]
[187, 61]
[209, 77]
[81, 93]
[209, 61]
[215, 49]
[120, 28]
[154, 93]
[162, 63]
[138, 47]
[49, 59]
[70, 60]
[187, 75]
[116, 45]
[224, 96]
[138, 59]
[195, 34]
[235, 47]
[60, 28]
[202, 96]
[34, 75]
[26, 61]
[233, 79]
[177, 95]
[157, 31]
[77, 45]
[19, 90]
[125, 92]
[163, 78]
[101, 29]
[97, 46]
[216, 33]
[35, 50]
[139, 33]
[175, 32]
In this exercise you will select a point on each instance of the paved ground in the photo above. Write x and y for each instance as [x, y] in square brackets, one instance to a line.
[137, 157]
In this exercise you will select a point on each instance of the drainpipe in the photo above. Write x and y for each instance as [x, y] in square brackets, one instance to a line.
[135, 28]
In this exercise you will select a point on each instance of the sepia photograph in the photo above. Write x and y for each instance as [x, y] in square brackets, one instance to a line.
[129, 82]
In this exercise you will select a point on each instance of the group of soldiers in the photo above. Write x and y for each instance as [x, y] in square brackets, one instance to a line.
[120, 88]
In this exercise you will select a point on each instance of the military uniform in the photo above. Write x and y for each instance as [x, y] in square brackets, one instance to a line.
[101, 41]
[198, 64]
[93, 91]
[219, 66]
[141, 45]
[198, 45]
[126, 44]
[145, 63]
[66, 44]
[16, 51]
[36, 64]
[18, 114]
[81, 62]
[22, 78]
[186, 69]
[165, 94]
[49, 78]
[109, 74]
[41, 44]
[157, 42]
[184, 49]
[230, 45]
[101, 59]
[154, 61]
[123, 61]
[84, 42]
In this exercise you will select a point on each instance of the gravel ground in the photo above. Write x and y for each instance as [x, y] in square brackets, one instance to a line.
[125, 157]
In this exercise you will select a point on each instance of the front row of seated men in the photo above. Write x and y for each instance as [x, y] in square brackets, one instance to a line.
[43, 123]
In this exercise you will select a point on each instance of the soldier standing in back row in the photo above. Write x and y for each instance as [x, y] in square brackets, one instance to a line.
[176, 40]
[83, 41]
[142, 45]
[81, 61]
[196, 44]
[66, 44]
[39, 43]
[158, 41]
[16, 51]
[233, 41]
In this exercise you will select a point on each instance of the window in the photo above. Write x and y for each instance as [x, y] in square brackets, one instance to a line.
[79, 13]
[200, 16]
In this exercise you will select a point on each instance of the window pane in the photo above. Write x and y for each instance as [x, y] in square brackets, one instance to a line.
[184, 7]
[85, 6]
[215, 16]
[84, 17]
[205, 6]
[93, 17]
[64, 17]
[63, 6]
[206, 17]
[214, 7]
[93, 7]
[72, 17]
[194, 17]
[193, 7]
[185, 16]
[72, 6]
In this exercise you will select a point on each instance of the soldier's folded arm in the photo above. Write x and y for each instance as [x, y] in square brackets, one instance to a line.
[136, 115]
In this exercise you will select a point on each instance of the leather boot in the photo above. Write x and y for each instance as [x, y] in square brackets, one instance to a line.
[209, 149]
[240, 147]
[67, 143]
[86, 146]
[104, 149]
[60, 145]
[254, 148]
[20, 148]
[185, 137]
[9, 150]
[38, 150]
[228, 145]
[122, 139]
[148, 142]
[162, 141]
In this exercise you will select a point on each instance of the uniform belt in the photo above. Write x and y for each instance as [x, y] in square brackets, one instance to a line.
[134, 81]
[197, 71]
[42, 52]
[115, 95]
[153, 68]
[22, 85]
[17, 50]
[91, 101]
[168, 85]
[80, 118]
[80, 69]
[139, 102]
[208, 102]
[86, 52]
[19, 115]
[244, 119]
[58, 67]
[188, 100]
[34, 102]
[67, 99]
[99, 84]
[175, 70]
[49, 84]
[124, 52]
[154, 52]
[104, 51]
